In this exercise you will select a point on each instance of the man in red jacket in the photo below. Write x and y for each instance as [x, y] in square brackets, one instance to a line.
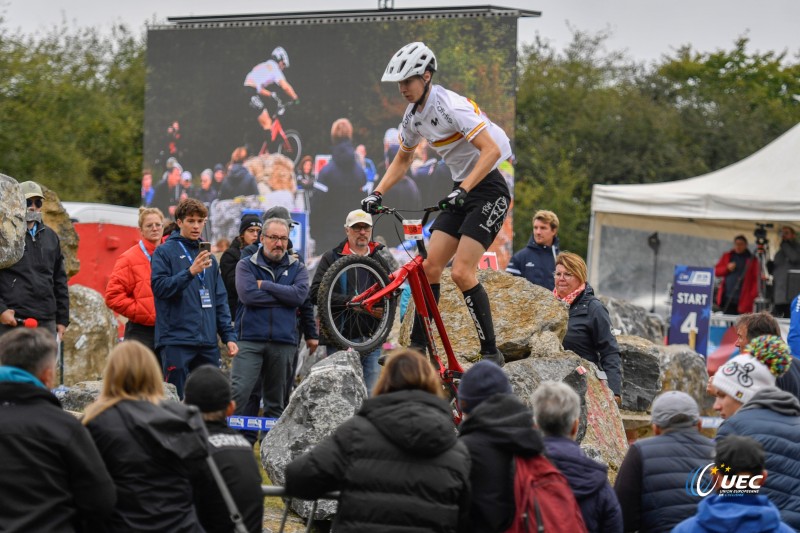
[738, 269]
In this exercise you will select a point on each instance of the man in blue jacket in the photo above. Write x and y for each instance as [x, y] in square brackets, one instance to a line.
[537, 261]
[190, 297]
[272, 285]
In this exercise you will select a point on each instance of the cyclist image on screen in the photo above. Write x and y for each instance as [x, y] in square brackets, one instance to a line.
[473, 213]
[266, 78]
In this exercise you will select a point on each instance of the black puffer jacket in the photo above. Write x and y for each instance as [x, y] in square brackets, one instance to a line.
[495, 432]
[227, 267]
[153, 488]
[36, 285]
[589, 335]
[398, 464]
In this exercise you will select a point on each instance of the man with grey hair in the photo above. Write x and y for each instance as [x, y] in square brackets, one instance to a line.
[272, 285]
[53, 476]
[651, 481]
[557, 411]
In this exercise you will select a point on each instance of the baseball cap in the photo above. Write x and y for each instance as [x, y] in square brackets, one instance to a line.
[674, 409]
[186, 175]
[207, 388]
[357, 216]
[279, 211]
[31, 189]
[392, 137]
[482, 380]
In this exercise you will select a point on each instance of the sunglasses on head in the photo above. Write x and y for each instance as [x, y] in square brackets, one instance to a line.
[34, 201]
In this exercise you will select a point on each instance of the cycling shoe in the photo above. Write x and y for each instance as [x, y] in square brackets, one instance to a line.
[496, 357]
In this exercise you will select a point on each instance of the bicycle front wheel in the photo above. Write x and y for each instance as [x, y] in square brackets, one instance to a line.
[349, 325]
[293, 147]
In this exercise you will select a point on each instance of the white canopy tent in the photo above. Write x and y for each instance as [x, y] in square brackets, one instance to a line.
[696, 219]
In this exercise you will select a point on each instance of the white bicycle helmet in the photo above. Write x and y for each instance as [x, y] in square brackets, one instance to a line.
[411, 60]
[279, 54]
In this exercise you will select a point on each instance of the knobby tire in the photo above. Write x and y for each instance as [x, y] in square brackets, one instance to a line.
[293, 147]
[347, 327]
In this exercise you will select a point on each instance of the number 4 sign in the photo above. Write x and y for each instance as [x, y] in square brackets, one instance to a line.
[691, 307]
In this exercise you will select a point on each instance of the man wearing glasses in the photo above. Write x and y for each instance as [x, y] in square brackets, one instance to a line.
[358, 230]
[272, 284]
[36, 285]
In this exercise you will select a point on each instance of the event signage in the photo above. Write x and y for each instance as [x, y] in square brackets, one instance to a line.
[691, 307]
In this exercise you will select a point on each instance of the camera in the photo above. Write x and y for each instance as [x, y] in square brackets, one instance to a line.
[760, 233]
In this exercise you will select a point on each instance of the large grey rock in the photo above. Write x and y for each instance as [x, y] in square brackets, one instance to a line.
[333, 392]
[57, 218]
[684, 369]
[90, 336]
[631, 319]
[641, 372]
[605, 440]
[528, 320]
[12, 223]
[80, 395]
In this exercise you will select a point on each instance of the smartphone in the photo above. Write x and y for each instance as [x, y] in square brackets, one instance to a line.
[205, 246]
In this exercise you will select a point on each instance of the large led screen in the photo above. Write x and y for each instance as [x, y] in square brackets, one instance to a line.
[199, 110]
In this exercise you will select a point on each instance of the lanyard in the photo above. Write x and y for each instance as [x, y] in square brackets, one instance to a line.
[144, 251]
[202, 275]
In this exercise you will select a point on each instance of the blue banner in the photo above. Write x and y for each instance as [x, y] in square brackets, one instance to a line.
[299, 234]
[251, 423]
[691, 306]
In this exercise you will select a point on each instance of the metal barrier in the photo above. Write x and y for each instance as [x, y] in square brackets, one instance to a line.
[273, 491]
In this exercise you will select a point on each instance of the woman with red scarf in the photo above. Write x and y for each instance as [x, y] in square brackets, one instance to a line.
[589, 332]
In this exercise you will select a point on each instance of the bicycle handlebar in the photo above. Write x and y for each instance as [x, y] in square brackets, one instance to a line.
[392, 211]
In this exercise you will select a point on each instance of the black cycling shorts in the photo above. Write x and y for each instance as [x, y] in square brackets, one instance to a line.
[483, 213]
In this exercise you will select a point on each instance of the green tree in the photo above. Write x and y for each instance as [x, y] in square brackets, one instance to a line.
[72, 106]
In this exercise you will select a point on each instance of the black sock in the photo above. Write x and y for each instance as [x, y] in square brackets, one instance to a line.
[418, 338]
[478, 305]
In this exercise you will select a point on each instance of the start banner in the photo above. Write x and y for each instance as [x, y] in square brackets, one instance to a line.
[691, 307]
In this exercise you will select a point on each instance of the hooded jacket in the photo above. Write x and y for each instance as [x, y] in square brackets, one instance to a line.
[238, 182]
[397, 463]
[536, 263]
[180, 317]
[269, 313]
[588, 480]
[227, 266]
[128, 291]
[497, 430]
[52, 476]
[742, 514]
[589, 335]
[36, 285]
[153, 484]
[772, 417]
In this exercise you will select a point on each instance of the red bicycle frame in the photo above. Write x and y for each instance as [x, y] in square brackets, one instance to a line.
[425, 306]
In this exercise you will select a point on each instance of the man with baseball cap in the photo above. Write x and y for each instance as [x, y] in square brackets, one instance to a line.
[209, 389]
[650, 485]
[753, 406]
[36, 285]
[358, 241]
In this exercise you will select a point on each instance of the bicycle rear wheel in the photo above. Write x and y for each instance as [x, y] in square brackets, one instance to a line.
[347, 325]
[293, 147]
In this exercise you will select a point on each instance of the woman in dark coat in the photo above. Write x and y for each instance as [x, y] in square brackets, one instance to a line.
[589, 330]
[397, 462]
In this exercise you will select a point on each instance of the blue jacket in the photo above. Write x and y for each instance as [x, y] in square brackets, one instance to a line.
[793, 339]
[269, 314]
[536, 263]
[742, 514]
[651, 483]
[588, 480]
[180, 317]
[238, 182]
[772, 417]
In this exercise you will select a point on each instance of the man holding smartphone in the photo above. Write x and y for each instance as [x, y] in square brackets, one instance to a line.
[190, 297]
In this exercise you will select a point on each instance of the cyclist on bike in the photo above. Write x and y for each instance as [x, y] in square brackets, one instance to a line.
[265, 78]
[473, 213]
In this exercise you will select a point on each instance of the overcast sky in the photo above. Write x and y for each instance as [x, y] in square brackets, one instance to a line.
[645, 29]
